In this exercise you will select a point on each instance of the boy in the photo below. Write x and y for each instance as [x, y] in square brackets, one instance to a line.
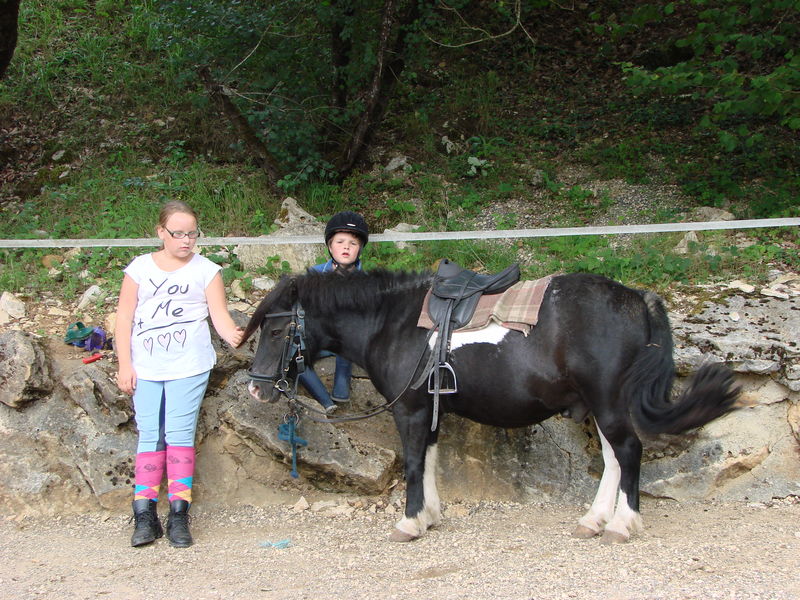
[346, 234]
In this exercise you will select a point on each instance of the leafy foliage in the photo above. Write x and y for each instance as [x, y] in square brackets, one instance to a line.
[297, 70]
[742, 65]
[698, 93]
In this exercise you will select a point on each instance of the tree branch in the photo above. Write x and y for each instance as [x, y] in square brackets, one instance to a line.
[255, 146]
[485, 35]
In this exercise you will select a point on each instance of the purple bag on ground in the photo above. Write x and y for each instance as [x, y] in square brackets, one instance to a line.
[96, 341]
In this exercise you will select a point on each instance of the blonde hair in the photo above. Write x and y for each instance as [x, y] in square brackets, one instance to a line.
[172, 207]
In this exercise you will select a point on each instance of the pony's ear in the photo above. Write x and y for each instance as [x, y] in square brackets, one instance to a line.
[264, 306]
[253, 323]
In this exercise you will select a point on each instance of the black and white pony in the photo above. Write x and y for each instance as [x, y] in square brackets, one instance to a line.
[599, 349]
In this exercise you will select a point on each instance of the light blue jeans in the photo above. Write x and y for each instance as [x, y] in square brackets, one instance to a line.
[166, 411]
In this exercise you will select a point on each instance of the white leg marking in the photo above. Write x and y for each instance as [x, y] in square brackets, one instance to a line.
[433, 508]
[431, 513]
[602, 508]
[491, 334]
[626, 521]
[409, 526]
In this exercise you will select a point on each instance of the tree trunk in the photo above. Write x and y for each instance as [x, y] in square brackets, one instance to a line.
[383, 82]
[341, 48]
[9, 17]
[340, 58]
[373, 96]
[254, 145]
[392, 73]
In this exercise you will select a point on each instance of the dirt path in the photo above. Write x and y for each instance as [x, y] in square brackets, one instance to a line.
[485, 550]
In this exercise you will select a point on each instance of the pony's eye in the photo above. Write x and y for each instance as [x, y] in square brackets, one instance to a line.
[277, 332]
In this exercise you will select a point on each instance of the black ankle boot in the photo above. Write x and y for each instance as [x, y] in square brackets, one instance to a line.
[147, 526]
[178, 524]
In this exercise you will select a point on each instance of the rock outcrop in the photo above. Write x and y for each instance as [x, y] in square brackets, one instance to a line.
[24, 370]
[292, 221]
[68, 436]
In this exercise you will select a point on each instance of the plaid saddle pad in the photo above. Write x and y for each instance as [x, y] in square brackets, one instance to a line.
[517, 308]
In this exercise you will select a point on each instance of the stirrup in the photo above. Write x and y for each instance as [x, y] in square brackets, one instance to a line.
[447, 379]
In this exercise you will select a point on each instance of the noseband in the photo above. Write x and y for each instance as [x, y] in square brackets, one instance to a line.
[294, 344]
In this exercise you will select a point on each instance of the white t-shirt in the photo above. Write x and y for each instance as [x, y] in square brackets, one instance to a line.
[170, 338]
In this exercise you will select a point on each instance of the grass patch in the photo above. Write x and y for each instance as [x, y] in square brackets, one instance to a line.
[86, 55]
[124, 202]
[650, 260]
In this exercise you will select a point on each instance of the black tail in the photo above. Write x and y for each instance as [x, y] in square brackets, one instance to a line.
[710, 394]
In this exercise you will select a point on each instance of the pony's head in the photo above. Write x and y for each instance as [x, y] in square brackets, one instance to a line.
[276, 318]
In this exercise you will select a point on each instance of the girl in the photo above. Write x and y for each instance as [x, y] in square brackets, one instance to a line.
[163, 345]
[346, 234]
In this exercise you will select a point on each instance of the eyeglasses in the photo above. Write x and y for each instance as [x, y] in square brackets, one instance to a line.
[179, 235]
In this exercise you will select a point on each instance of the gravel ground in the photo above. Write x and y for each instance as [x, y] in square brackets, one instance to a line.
[484, 550]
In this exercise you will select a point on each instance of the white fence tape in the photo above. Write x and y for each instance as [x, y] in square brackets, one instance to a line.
[419, 236]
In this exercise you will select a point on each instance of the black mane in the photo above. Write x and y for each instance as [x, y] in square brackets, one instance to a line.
[265, 307]
[359, 291]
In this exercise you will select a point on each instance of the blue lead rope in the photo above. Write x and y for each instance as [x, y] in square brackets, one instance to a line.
[286, 432]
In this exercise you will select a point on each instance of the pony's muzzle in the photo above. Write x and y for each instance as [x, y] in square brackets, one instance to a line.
[263, 391]
[274, 394]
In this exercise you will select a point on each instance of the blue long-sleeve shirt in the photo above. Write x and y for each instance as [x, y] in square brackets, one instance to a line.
[330, 266]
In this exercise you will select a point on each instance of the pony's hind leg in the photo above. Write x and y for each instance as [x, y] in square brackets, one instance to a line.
[620, 472]
[626, 520]
[602, 509]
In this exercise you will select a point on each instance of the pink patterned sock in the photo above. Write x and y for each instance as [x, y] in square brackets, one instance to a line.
[180, 471]
[149, 473]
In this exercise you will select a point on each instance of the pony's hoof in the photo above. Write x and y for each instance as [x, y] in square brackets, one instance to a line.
[613, 537]
[401, 536]
[584, 533]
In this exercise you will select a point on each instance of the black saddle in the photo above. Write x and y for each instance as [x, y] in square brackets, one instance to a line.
[454, 296]
[464, 288]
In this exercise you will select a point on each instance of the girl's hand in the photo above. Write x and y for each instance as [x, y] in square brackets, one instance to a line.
[234, 338]
[126, 380]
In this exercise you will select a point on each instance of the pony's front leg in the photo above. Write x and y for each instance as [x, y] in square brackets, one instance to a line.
[423, 508]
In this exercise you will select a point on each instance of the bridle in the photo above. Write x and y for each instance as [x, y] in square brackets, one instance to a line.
[294, 344]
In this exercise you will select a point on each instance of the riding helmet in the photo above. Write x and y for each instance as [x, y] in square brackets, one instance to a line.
[350, 222]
